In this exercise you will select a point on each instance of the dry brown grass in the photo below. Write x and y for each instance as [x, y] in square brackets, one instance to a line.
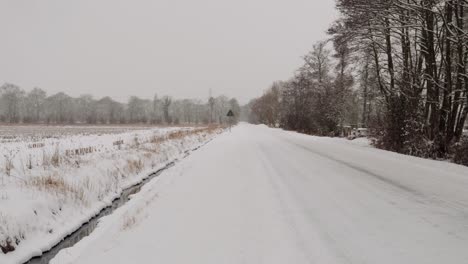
[56, 158]
[178, 134]
[134, 166]
[45, 159]
[9, 157]
[181, 134]
[148, 150]
[184, 133]
[147, 154]
[157, 139]
[136, 142]
[53, 183]
[8, 166]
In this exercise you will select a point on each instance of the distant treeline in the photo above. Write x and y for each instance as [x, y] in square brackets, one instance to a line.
[397, 67]
[35, 106]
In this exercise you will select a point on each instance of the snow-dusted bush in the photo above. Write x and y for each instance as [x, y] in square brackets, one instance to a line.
[461, 152]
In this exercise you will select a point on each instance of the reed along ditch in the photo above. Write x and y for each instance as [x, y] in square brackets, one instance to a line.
[87, 228]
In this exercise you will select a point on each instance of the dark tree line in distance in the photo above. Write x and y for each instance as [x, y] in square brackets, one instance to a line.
[35, 106]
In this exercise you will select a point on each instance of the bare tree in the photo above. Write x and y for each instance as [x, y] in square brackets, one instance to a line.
[211, 102]
[166, 103]
[34, 105]
[11, 99]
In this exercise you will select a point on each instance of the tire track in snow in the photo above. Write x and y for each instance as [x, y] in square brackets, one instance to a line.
[364, 171]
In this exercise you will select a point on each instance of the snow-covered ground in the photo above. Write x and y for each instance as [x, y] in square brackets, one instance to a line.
[261, 195]
[52, 183]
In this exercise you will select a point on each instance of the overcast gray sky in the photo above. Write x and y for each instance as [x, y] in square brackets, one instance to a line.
[181, 48]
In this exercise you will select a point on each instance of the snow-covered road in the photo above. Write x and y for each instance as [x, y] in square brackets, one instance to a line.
[261, 195]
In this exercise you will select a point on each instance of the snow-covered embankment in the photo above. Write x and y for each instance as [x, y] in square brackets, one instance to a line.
[50, 187]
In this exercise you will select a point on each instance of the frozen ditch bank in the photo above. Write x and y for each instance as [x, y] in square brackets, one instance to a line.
[89, 226]
[39, 206]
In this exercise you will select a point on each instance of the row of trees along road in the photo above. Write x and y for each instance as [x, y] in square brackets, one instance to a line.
[398, 67]
[18, 106]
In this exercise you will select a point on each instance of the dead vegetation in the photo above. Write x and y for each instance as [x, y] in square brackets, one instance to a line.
[8, 166]
[8, 243]
[45, 159]
[54, 184]
[134, 166]
[181, 134]
[136, 142]
[157, 139]
[118, 143]
[9, 156]
[56, 158]
[7, 246]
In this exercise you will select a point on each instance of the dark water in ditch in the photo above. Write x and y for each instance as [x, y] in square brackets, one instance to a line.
[89, 227]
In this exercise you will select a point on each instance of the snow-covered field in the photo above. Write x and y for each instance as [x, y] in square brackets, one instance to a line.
[260, 195]
[18, 133]
[53, 179]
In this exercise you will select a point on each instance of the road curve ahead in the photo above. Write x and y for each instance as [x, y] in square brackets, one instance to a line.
[262, 195]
